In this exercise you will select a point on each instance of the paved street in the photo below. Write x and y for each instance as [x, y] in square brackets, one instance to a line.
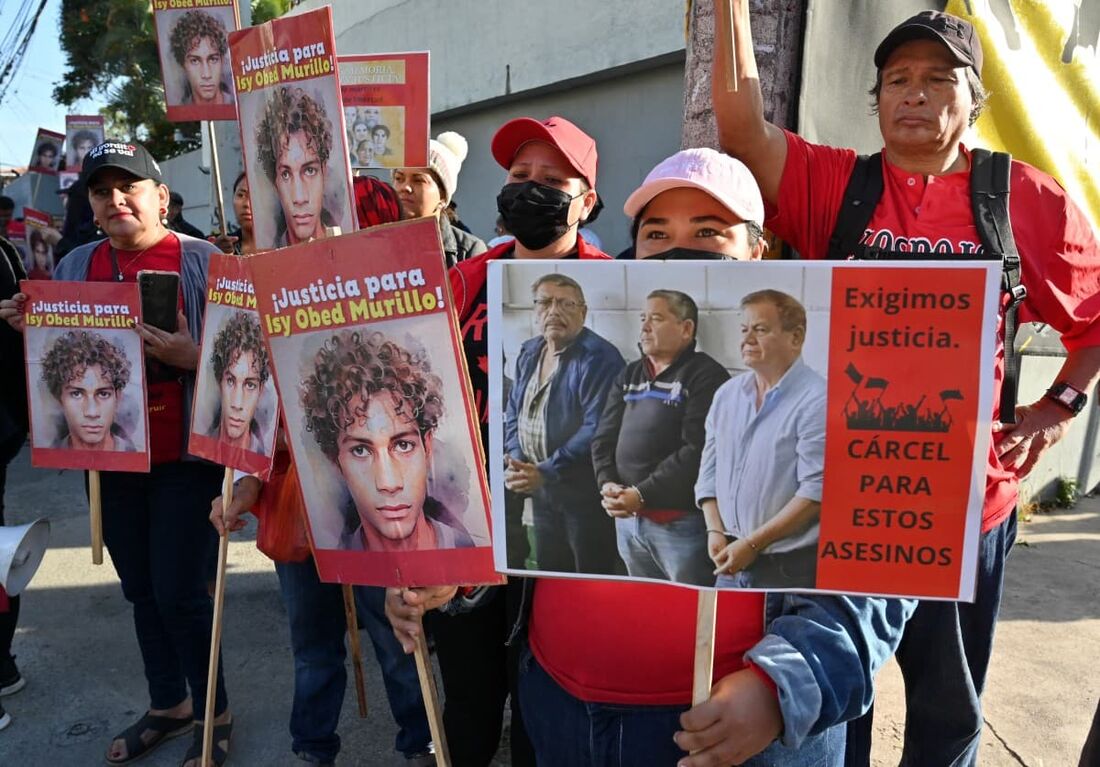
[77, 649]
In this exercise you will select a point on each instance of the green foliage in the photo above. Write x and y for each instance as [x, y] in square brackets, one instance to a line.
[1067, 494]
[111, 50]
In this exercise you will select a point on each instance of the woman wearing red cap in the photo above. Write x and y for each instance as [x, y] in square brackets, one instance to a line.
[548, 194]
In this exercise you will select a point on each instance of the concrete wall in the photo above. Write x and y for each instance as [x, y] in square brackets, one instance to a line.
[634, 118]
[486, 49]
[184, 174]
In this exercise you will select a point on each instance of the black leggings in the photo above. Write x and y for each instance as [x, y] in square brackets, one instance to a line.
[11, 617]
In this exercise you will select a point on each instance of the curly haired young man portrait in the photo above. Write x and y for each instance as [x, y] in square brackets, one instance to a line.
[199, 44]
[86, 374]
[294, 141]
[239, 362]
[373, 408]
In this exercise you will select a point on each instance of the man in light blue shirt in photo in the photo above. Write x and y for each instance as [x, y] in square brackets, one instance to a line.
[762, 467]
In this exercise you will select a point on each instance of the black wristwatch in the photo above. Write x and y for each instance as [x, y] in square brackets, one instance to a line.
[1073, 400]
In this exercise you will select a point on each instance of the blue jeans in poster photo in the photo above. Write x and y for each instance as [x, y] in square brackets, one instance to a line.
[675, 550]
[944, 656]
[318, 625]
[568, 731]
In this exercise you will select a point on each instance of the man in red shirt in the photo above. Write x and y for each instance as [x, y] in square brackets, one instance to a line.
[927, 92]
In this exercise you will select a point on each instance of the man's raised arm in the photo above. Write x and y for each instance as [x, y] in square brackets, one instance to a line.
[742, 130]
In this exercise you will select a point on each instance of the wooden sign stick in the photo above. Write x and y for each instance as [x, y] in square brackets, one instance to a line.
[704, 646]
[431, 699]
[356, 649]
[729, 48]
[216, 631]
[216, 170]
[95, 514]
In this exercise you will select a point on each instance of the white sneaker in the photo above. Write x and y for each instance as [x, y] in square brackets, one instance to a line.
[5, 718]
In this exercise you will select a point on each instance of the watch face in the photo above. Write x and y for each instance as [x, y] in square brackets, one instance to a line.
[1068, 396]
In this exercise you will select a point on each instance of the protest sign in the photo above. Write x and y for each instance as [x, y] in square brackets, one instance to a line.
[235, 410]
[46, 156]
[871, 437]
[192, 42]
[82, 132]
[39, 253]
[85, 376]
[292, 129]
[386, 109]
[367, 357]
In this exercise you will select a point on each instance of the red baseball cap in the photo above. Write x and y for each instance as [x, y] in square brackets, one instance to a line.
[578, 147]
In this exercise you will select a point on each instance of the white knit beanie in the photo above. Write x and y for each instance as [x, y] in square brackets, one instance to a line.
[445, 156]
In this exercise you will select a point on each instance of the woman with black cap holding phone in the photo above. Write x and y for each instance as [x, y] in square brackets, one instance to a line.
[155, 525]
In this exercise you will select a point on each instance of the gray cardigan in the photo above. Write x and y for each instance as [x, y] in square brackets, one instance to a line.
[194, 261]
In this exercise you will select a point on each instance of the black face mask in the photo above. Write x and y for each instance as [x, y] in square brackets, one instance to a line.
[535, 213]
[686, 254]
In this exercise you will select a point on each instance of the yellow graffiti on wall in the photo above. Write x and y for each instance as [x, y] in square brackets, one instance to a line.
[1042, 69]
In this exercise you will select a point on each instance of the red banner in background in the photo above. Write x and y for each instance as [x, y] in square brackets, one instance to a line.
[905, 366]
[192, 41]
[85, 376]
[386, 109]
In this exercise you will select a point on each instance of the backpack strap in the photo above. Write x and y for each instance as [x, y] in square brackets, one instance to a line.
[990, 177]
[861, 197]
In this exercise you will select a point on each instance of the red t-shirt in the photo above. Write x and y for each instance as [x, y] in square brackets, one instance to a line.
[634, 643]
[1060, 256]
[165, 394]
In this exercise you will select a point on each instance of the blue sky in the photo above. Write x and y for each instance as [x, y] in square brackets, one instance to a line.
[28, 104]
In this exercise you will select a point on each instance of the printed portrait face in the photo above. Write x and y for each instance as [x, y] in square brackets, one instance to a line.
[364, 153]
[385, 460]
[89, 402]
[765, 345]
[47, 155]
[360, 132]
[203, 67]
[41, 254]
[83, 146]
[371, 116]
[559, 312]
[241, 386]
[663, 333]
[300, 184]
[380, 135]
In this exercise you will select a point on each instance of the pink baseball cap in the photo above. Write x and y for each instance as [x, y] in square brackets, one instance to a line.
[719, 175]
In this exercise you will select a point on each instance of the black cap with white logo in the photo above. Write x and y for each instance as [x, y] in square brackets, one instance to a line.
[957, 34]
[130, 157]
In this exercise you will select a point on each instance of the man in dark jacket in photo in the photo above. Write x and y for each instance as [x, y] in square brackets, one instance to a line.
[647, 484]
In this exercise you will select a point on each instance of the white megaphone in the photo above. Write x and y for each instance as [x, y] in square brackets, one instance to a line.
[21, 550]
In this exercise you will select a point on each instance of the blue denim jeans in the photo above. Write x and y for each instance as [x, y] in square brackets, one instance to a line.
[944, 655]
[156, 527]
[673, 551]
[568, 731]
[318, 625]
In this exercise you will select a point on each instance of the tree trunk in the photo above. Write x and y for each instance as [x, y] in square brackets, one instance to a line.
[777, 36]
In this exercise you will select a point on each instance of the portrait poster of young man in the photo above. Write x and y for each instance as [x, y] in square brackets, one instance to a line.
[368, 361]
[842, 452]
[235, 410]
[193, 43]
[85, 376]
[82, 132]
[47, 152]
[292, 129]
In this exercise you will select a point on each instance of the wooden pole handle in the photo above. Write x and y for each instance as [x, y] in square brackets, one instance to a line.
[216, 629]
[95, 515]
[356, 649]
[704, 646]
[431, 700]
